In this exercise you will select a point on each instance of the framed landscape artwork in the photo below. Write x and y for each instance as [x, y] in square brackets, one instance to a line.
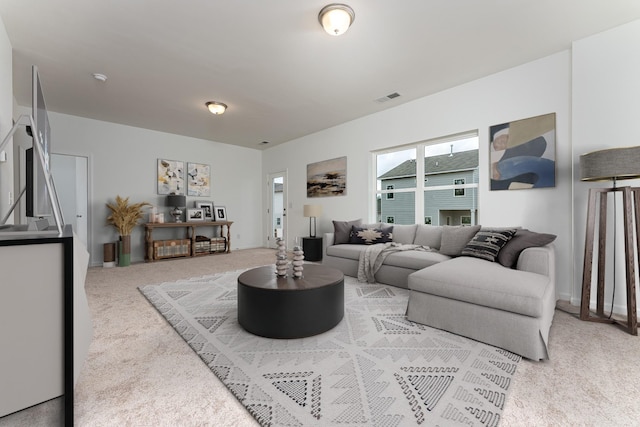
[327, 178]
[198, 179]
[523, 153]
[170, 177]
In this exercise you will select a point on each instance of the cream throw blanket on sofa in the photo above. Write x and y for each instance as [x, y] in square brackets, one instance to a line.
[372, 258]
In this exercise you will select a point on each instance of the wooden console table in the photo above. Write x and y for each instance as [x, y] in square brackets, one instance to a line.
[191, 234]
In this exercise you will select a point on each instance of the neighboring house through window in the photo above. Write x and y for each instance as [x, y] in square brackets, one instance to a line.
[446, 191]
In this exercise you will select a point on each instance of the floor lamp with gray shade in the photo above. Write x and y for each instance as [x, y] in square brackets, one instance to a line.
[611, 165]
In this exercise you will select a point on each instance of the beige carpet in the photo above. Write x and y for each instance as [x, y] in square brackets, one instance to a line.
[141, 373]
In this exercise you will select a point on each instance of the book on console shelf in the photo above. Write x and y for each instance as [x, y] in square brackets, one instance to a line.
[171, 248]
[203, 245]
[218, 244]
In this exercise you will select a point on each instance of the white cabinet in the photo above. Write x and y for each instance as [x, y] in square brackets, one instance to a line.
[31, 325]
[40, 280]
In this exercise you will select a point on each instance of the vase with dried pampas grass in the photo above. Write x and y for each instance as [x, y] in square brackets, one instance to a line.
[124, 217]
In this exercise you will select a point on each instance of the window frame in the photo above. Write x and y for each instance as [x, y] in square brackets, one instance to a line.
[391, 195]
[420, 186]
[457, 190]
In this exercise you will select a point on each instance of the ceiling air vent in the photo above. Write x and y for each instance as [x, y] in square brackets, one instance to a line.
[388, 97]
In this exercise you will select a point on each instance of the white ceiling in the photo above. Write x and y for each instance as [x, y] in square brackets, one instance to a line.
[280, 74]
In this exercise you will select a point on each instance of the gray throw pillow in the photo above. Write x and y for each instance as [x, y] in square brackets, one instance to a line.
[508, 255]
[487, 243]
[455, 238]
[403, 233]
[342, 229]
[428, 235]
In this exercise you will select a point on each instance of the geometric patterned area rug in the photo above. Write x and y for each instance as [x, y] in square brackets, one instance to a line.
[375, 368]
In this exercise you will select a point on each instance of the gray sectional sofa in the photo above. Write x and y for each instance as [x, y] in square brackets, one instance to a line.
[509, 304]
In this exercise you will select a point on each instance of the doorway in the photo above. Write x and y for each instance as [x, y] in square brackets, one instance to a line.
[70, 175]
[277, 211]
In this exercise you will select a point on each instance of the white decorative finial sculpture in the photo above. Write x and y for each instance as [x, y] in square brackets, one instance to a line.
[282, 263]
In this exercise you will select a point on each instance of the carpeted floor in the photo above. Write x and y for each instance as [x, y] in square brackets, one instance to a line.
[140, 373]
[375, 368]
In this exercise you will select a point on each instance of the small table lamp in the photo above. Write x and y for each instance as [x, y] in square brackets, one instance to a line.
[312, 212]
[177, 201]
[611, 165]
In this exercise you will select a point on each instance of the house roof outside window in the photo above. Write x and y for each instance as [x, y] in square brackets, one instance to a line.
[445, 163]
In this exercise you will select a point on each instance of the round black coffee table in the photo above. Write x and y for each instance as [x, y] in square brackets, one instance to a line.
[284, 307]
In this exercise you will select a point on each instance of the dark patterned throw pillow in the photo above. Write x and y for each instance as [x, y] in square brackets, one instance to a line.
[486, 244]
[370, 236]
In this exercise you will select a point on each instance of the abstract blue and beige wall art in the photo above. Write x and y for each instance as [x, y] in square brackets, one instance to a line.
[522, 153]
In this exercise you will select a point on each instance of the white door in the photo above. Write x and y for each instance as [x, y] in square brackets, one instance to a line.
[277, 211]
[70, 176]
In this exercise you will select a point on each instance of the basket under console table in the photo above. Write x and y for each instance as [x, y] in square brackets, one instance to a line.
[151, 246]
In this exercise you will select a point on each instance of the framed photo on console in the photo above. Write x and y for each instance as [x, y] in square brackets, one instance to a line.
[221, 213]
[194, 215]
[207, 207]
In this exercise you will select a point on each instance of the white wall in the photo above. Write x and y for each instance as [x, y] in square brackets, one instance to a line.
[532, 89]
[606, 114]
[123, 161]
[6, 116]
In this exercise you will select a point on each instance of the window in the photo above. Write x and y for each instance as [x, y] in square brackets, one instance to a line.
[278, 221]
[390, 220]
[442, 186]
[458, 192]
[390, 196]
[465, 220]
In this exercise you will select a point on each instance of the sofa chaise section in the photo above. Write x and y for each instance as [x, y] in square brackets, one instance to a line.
[508, 308]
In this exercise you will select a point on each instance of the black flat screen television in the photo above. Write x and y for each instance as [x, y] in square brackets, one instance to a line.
[38, 203]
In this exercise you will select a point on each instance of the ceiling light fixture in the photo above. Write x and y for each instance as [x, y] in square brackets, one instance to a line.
[100, 77]
[216, 107]
[336, 18]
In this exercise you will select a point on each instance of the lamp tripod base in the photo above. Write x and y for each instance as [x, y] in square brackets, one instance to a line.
[631, 199]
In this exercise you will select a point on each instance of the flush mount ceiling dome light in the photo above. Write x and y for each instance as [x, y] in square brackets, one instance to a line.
[216, 107]
[336, 18]
[100, 77]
